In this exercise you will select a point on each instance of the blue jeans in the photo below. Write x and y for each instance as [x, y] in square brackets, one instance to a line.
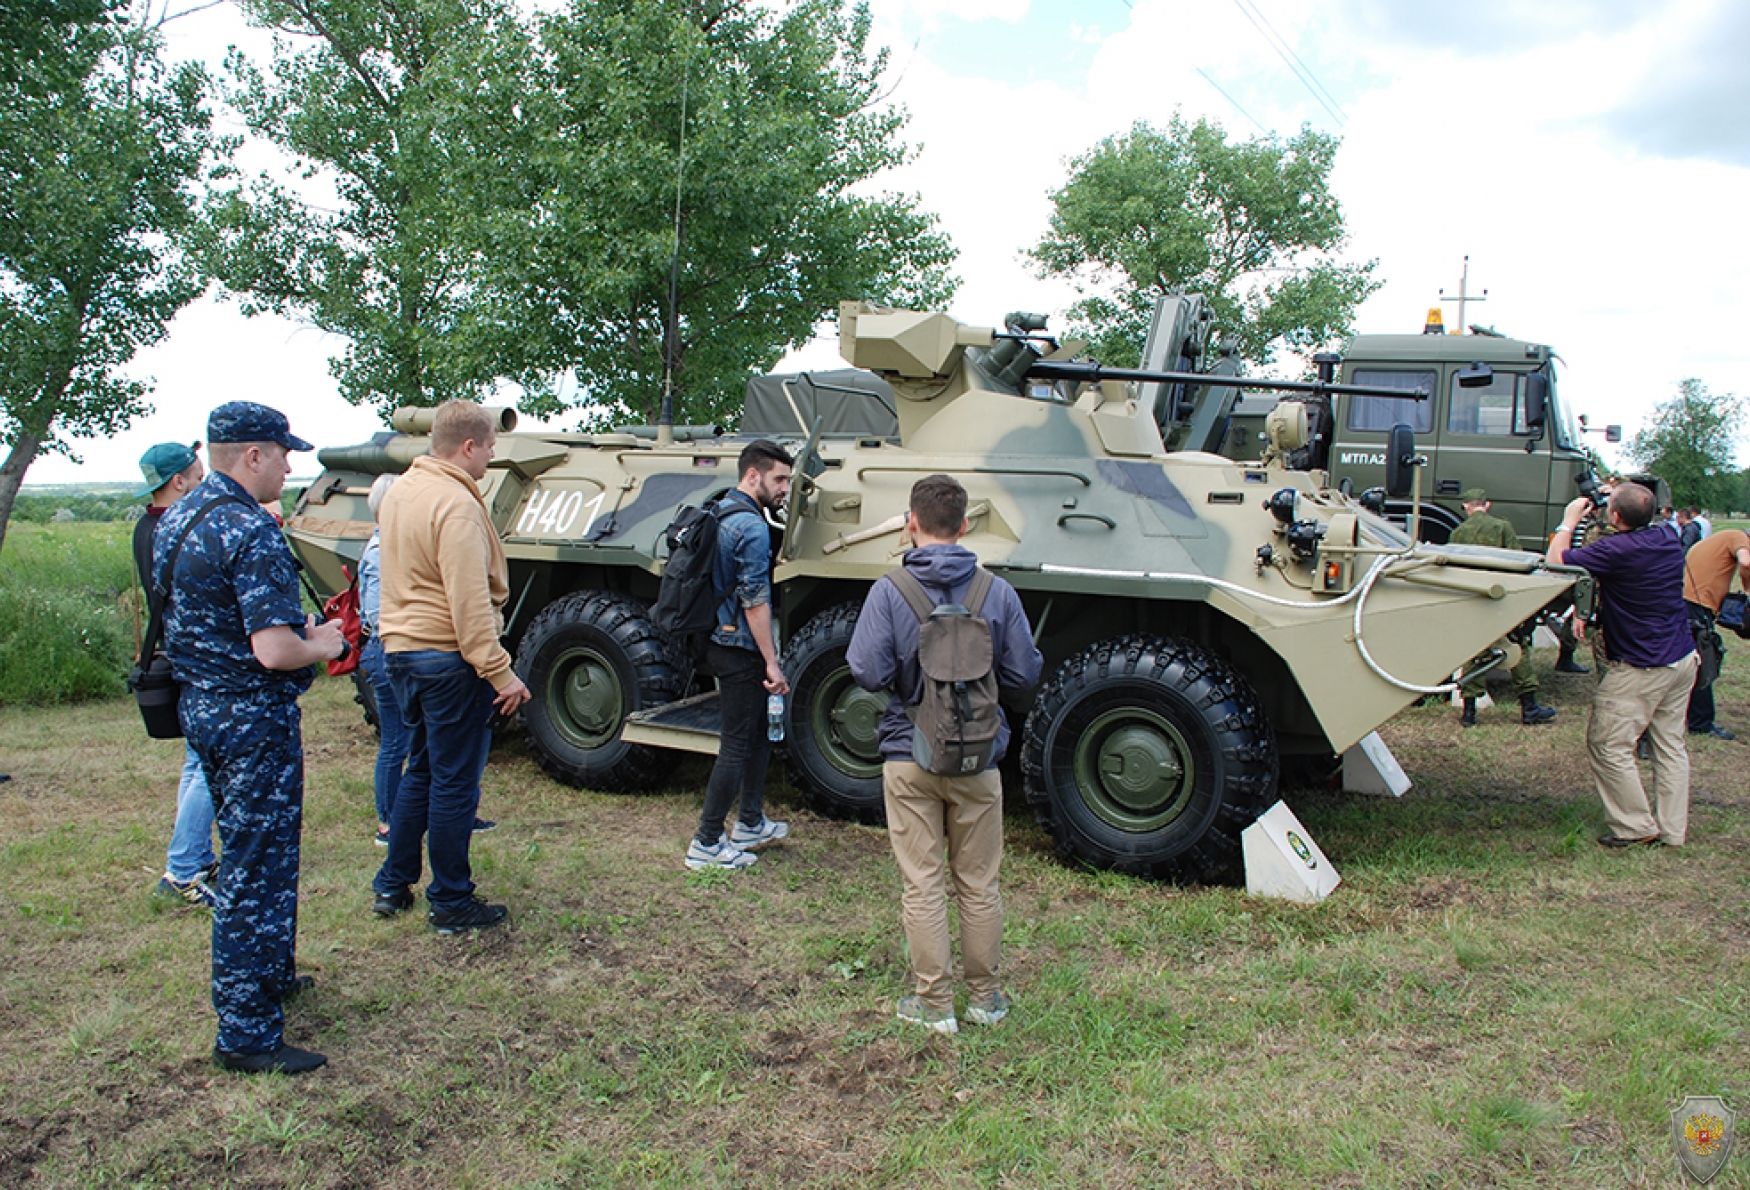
[191, 840]
[448, 710]
[392, 746]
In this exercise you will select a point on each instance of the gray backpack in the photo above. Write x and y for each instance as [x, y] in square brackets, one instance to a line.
[956, 720]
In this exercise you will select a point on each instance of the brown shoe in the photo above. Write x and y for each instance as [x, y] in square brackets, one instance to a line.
[1619, 841]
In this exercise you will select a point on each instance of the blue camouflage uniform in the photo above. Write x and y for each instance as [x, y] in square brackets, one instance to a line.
[234, 577]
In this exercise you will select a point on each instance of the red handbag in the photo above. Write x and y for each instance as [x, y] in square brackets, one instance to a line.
[344, 608]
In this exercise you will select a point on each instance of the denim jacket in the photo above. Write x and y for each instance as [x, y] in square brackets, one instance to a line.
[744, 570]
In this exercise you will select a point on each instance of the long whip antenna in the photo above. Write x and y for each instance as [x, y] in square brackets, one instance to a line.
[665, 421]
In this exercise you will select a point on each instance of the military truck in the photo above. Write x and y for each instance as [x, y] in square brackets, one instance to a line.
[1203, 619]
[1508, 432]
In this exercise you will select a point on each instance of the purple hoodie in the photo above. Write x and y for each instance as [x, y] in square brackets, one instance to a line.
[884, 648]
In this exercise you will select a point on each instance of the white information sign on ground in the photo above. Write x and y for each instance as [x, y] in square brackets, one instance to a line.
[1283, 861]
[1369, 767]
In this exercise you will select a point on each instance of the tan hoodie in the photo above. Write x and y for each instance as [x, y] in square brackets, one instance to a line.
[444, 577]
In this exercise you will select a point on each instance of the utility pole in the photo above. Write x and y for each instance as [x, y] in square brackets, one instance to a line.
[1464, 296]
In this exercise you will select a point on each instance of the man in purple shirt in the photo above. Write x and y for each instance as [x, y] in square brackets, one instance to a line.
[1652, 653]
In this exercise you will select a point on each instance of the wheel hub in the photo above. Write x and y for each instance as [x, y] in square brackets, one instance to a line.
[586, 692]
[1136, 768]
[847, 724]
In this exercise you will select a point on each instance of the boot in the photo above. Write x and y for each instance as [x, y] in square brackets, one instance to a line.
[1469, 718]
[1565, 663]
[1531, 712]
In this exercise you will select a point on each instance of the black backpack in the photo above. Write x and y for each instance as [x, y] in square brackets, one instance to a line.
[686, 605]
[956, 721]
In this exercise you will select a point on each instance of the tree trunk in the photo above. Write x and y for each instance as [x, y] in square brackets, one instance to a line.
[12, 476]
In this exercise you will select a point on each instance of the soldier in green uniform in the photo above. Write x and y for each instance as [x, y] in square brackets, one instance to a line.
[1480, 528]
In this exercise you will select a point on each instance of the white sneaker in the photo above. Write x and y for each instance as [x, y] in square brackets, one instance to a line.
[722, 854]
[752, 838]
[988, 1012]
[913, 1009]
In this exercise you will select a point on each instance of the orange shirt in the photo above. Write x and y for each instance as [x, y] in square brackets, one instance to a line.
[1708, 569]
[443, 571]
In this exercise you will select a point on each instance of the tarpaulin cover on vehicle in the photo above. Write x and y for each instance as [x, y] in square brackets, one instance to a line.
[849, 401]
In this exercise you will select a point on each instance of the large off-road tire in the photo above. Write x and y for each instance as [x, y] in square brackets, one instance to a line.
[832, 723]
[1149, 755]
[590, 659]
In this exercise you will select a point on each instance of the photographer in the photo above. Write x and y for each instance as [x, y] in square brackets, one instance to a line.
[1652, 658]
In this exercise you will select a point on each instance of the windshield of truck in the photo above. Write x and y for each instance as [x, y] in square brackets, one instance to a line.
[1382, 413]
[1561, 417]
[1497, 409]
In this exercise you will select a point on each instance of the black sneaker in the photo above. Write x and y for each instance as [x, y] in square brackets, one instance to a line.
[472, 914]
[389, 904]
[482, 825]
[287, 1059]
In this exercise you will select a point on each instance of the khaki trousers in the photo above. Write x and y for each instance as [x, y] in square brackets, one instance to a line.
[923, 811]
[1627, 702]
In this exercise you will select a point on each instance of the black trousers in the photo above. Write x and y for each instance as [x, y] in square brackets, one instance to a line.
[743, 751]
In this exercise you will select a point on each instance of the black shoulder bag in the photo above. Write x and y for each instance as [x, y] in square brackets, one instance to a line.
[151, 681]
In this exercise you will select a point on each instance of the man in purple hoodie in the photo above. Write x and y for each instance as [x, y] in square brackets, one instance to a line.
[924, 810]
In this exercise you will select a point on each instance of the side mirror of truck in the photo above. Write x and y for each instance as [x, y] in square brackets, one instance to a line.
[1536, 399]
[1476, 376]
[1613, 433]
[1400, 466]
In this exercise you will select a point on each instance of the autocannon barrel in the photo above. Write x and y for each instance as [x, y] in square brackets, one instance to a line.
[1093, 373]
[681, 433]
[414, 419]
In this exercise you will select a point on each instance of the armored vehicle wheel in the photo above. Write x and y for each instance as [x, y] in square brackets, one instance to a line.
[364, 692]
[831, 735]
[1149, 756]
[590, 659]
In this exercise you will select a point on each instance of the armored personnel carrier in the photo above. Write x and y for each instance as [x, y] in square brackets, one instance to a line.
[1203, 619]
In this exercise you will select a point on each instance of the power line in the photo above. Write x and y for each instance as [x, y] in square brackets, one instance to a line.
[1290, 60]
[1323, 90]
[1248, 115]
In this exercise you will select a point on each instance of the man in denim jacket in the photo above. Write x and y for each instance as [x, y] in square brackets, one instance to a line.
[743, 653]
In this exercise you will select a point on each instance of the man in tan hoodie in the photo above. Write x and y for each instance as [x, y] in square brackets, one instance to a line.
[444, 584]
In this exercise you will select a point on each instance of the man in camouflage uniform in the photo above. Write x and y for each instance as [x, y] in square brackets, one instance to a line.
[1480, 528]
[242, 647]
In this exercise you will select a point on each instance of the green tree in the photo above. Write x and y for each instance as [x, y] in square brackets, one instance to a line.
[769, 190]
[102, 145]
[504, 195]
[33, 36]
[385, 108]
[1691, 442]
[1252, 226]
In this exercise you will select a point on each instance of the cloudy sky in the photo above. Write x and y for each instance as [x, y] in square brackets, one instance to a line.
[1591, 157]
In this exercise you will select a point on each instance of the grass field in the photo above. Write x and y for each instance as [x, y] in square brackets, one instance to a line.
[1490, 999]
[69, 612]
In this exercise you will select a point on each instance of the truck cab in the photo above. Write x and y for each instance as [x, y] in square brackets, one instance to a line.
[1478, 436]
[1505, 429]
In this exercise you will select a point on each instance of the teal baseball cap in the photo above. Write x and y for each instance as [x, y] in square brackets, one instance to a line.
[163, 462]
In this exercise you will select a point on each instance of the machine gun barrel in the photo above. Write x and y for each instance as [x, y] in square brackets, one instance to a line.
[1094, 373]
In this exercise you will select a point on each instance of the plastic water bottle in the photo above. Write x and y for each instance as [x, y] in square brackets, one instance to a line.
[774, 717]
